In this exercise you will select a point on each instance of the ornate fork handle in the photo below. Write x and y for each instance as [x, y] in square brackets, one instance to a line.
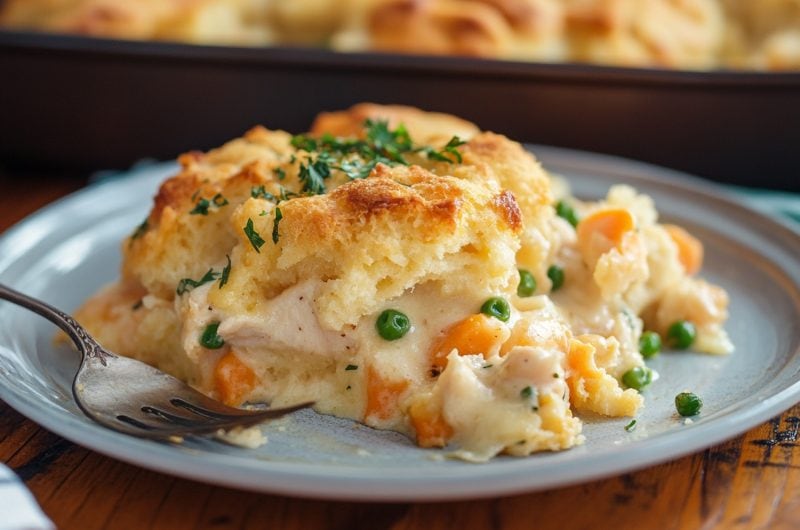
[85, 343]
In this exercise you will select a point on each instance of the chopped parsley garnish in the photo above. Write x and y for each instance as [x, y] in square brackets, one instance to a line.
[356, 158]
[388, 143]
[201, 208]
[260, 192]
[449, 152]
[140, 230]
[255, 239]
[280, 173]
[219, 201]
[487, 366]
[278, 217]
[203, 204]
[306, 143]
[356, 169]
[210, 339]
[631, 426]
[287, 194]
[187, 284]
[350, 367]
[226, 272]
[313, 174]
[530, 395]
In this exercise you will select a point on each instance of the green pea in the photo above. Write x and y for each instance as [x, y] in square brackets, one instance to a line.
[565, 211]
[556, 275]
[209, 339]
[688, 404]
[649, 344]
[637, 377]
[497, 307]
[527, 283]
[392, 324]
[681, 334]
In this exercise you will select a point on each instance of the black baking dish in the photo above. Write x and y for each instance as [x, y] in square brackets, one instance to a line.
[82, 103]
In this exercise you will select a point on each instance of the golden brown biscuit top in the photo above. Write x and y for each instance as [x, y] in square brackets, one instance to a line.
[452, 194]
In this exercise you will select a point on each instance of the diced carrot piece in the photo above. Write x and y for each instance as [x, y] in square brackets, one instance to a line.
[382, 395]
[611, 224]
[431, 428]
[474, 335]
[233, 379]
[690, 249]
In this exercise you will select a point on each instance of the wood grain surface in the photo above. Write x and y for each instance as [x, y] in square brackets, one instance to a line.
[749, 482]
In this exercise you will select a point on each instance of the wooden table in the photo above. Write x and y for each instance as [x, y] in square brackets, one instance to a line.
[750, 482]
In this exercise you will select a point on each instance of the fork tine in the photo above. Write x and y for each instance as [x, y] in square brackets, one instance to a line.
[194, 408]
[161, 424]
[135, 423]
[234, 414]
[168, 417]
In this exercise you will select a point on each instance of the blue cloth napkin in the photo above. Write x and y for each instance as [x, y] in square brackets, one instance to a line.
[18, 508]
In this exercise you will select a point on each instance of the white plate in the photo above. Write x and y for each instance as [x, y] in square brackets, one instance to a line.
[66, 251]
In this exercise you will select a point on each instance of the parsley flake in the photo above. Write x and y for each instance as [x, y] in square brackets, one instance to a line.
[226, 272]
[253, 236]
[530, 395]
[203, 204]
[313, 174]
[631, 426]
[219, 201]
[278, 217]
[201, 208]
[260, 192]
[287, 194]
[187, 284]
[140, 230]
[350, 367]
[449, 153]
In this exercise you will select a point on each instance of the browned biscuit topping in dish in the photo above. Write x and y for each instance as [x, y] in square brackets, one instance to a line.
[683, 34]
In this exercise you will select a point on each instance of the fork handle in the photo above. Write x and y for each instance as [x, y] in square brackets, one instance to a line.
[88, 347]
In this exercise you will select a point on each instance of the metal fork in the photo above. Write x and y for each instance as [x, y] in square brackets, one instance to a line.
[132, 397]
